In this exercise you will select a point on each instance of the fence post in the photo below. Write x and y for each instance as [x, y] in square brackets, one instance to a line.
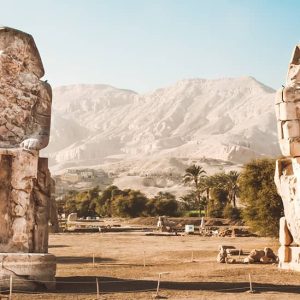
[10, 287]
[158, 284]
[192, 258]
[98, 291]
[250, 283]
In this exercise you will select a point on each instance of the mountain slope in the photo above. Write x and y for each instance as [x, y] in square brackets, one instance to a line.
[230, 119]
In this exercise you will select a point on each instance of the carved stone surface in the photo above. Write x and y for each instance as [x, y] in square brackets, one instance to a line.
[32, 271]
[25, 100]
[287, 180]
[25, 181]
[285, 237]
[287, 107]
[287, 175]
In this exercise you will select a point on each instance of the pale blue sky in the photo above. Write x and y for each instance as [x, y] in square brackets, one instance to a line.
[147, 44]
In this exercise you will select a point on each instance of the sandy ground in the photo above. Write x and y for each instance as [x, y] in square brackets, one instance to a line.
[119, 259]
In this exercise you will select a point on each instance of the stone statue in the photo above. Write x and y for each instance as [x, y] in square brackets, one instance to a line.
[287, 175]
[25, 181]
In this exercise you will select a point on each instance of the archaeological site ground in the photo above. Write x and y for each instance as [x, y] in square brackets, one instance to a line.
[190, 263]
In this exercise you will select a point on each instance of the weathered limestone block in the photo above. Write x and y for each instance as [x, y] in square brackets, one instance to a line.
[284, 254]
[290, 146]
[25, 181]
[290, 129]
[287, 108]
[30, 270]
[293, 77]
[265, 256]
[289, 258]
[287, 180]
[25, 100]
[224, 247]
[18, 169]
[53, 209]
[25, 198]
[285, 237]
[288, 94]
[288, 111]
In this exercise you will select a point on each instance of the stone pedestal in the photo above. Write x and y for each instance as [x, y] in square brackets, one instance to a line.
[29, 271]
[289, 258]
[288, 254]
[25, 195]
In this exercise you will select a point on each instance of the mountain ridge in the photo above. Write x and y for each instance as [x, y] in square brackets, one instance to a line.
[230, 119]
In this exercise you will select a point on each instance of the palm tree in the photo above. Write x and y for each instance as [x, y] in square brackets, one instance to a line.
[195, 174]
[232, 186]
[229, 184]
[206, 185]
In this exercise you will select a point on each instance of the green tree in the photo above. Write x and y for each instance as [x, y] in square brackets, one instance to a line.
[206, 185]
[217, 202]
[69, 202]
[231, 212]
[232, 187]
[263, 206]
[129, 203]
[164, 203]
[188, 201]
[105, 199]
[194, 175]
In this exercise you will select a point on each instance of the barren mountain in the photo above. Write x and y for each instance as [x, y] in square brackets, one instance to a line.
[230, 119]
[218, 123]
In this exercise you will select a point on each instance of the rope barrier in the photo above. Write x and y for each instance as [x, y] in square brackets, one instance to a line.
[84, 293]
[246, 287]
[80, 282]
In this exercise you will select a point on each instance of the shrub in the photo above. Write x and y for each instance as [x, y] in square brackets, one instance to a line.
[263, 206]
[231, 212]
[129, 204]
[163, 203]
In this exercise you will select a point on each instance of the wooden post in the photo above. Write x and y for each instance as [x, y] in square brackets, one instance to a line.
[250, 283]
[158, 284]
[192, 258]
[98, 291]
[93, 260]
[10, 287]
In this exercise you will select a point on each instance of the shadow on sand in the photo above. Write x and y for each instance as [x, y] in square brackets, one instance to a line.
[87, 284]
[81, 259]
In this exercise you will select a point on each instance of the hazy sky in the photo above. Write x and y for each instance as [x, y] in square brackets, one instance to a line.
[147, 44]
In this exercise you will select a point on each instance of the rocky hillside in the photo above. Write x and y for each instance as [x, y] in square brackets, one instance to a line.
[230, 119]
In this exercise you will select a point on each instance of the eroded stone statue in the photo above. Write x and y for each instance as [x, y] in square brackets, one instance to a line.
[25, 181]
[287, 176]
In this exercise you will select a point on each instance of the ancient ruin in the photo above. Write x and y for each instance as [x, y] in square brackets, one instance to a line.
[287, 176]
[25, 181]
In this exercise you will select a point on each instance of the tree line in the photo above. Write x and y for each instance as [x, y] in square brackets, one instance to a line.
[114, 202]
[259, 205]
